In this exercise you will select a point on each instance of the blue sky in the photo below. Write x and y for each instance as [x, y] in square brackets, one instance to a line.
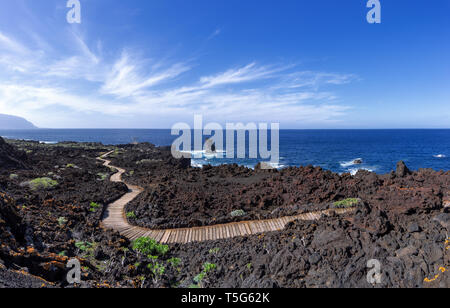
[150, 64]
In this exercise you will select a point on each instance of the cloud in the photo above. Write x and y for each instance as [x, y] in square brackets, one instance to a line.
[214, 34]
[44, 86]
[248, 73]
[125, 80]
[9, 44]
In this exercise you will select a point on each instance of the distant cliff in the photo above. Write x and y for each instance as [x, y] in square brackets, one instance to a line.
[13, 122]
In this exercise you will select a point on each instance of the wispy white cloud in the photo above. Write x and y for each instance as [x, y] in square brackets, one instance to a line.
[214, 34]
[84, 82]
[6, 43]
[124, 80]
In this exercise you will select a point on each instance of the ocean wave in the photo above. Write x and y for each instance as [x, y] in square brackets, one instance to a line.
[276, 165]
[439, 156]
[196, 164]
[354, 171]
[350, 163]
[48, 142]
[204, 154]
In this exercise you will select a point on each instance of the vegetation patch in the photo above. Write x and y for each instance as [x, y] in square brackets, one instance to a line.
[200, 278]
[346, 203]
[84, 246]
[131, 215]
[238, 213]
[41, 183]
[214, 251]
[149, 247]
[102, 176]
[62, 221]
[93, 207]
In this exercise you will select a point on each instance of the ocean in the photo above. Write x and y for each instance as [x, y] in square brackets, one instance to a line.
[333, 150]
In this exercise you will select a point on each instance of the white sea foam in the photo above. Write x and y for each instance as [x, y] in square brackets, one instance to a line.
[196, 164]
[439, 156]
[354, 171]
[276, 165]
[48, 142]
[349, 163]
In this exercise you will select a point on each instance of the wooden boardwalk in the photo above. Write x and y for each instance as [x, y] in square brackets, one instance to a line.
[115, 219]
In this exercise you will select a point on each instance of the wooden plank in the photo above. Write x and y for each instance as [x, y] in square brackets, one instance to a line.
[219, 232]
[210, 236]
[159, 236]
[227, 230]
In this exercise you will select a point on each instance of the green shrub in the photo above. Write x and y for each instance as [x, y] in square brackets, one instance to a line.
[83, 246]
[70, 166]
[175, 262]
[346, 203]
[148, 246]
[199, 278]
[102, 176]
[214, 251]
[131, 215]
[208, 267]
[13, 177]
[62, 221]
[157, 269]
[238, 213]
[93, 207]
[42, 183]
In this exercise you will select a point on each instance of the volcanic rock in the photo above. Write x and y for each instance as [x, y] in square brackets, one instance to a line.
[402, 170]
[11, 157]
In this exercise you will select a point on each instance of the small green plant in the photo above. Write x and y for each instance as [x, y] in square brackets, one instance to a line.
[42, 183]
[175, 263]
[13, 177]
[102, 176]
[148, 246]
[131, 215]
[249, 266]
[83, 246]
[207, 268]
[62, 221]
[93, 207]
[62, 253]
[157, 269]
[199, 278]
[346, 203]
[70, 166]
[214, 251]
[238, 213]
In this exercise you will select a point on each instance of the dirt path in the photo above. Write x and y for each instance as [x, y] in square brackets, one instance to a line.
[115, 219]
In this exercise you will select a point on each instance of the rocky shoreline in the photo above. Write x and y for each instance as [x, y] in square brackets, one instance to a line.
[52, 198]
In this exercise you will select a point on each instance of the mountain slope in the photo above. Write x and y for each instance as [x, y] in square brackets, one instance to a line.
[13, 122]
